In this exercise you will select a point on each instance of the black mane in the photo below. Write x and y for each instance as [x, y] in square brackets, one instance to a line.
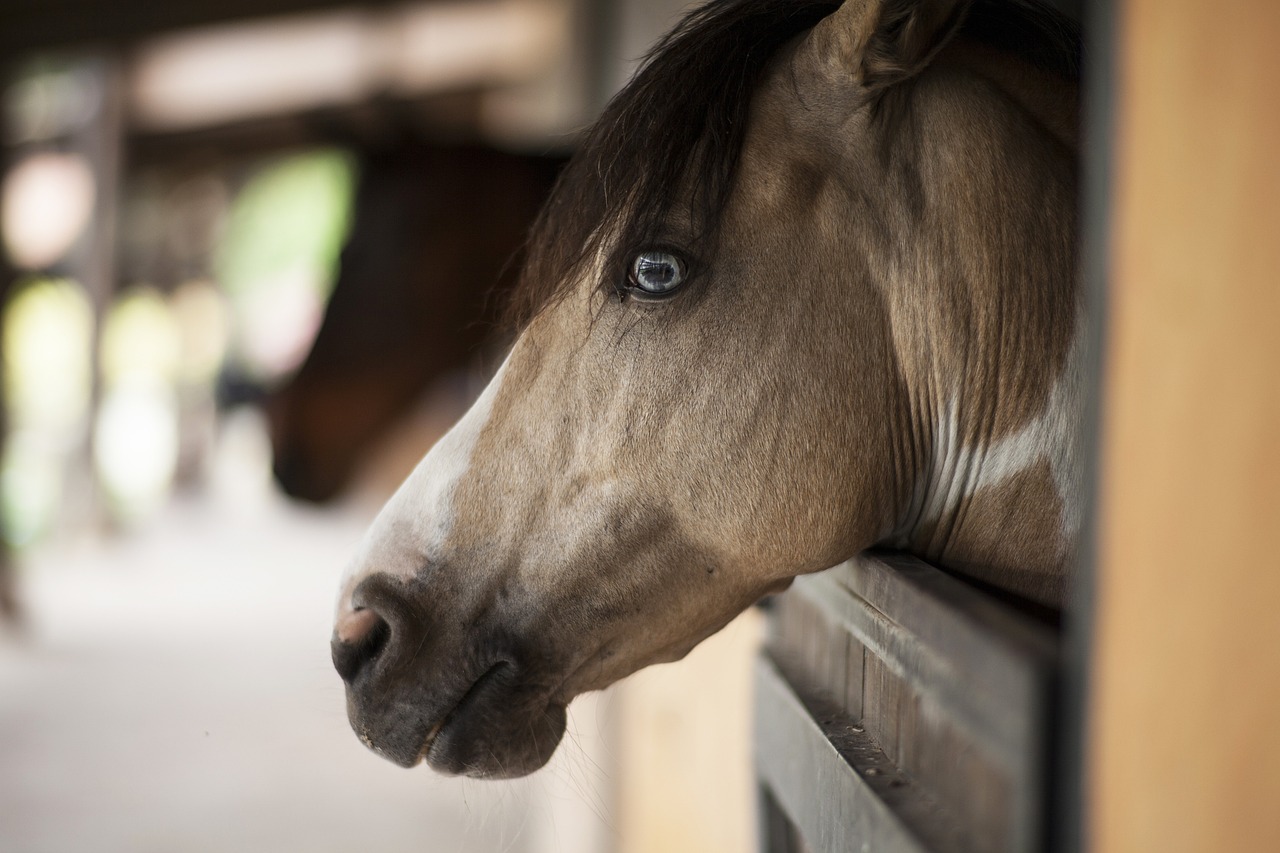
[679, 126]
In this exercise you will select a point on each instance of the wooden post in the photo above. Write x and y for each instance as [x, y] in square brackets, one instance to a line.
[93, 264]
[11, 611]
[684, 749]
[1184, 727]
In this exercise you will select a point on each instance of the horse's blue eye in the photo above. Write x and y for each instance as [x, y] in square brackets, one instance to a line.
[657, 272]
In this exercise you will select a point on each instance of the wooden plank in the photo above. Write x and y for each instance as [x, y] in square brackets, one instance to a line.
[988, 666]
[955, 690]
[923, 742]
[777, 833]
[882, 700]
[855, 675]
[1184, 747]
[817, 650]
[835, 784]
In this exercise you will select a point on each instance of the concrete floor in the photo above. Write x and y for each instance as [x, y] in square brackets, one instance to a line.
[174, 694]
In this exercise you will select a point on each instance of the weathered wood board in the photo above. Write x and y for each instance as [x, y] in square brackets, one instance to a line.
[899, 709]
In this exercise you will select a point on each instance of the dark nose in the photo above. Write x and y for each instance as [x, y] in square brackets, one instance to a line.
[358, 639]
[303, 478]
[288, 470]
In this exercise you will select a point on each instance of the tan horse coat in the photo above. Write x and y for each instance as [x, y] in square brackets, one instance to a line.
[877, 344]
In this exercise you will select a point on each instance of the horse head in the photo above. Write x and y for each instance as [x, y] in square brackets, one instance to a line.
[807, 287]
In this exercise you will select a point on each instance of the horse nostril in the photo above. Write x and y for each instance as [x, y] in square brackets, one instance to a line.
[288, 470]
[358, 639]
[303, 479]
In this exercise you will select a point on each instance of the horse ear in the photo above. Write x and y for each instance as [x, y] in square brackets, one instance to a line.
[884, 42]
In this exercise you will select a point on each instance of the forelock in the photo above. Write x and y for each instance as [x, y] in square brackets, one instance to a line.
[675, 132]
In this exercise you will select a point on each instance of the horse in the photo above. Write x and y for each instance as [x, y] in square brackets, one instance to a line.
[808, 287]
[436, 230]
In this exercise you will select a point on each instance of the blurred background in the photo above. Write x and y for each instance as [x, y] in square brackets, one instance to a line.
[253, 257]
[251, 253]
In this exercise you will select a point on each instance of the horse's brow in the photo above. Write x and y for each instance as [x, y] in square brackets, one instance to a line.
[677, 226]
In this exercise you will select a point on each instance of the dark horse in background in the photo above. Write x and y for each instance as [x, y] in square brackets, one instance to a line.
[435, 235]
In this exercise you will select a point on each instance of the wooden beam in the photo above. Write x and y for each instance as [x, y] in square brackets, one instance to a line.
[949, 689]
[1184, 751]
[839, 797]
[29, 25]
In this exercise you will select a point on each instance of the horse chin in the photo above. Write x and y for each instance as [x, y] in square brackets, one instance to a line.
[496, 731]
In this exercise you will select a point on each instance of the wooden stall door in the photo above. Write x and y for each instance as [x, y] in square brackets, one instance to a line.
[1184, 725]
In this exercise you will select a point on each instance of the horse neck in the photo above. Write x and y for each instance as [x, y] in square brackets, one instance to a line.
[996, 496]
[990, 345]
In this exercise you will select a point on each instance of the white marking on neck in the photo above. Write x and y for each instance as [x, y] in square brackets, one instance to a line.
[958, 472]
[413, 526]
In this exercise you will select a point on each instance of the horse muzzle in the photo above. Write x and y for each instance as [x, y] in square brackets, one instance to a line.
[461, 701]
